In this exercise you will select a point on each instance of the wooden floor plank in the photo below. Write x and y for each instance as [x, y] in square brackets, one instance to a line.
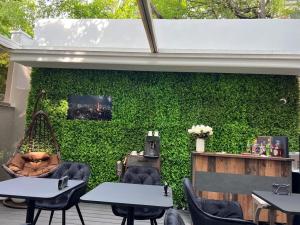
[92, 214]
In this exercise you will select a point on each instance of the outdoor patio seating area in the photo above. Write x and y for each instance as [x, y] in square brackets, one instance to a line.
[157, 112]
[93, 214]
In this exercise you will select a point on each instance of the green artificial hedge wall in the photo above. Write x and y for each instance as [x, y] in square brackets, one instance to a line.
[3, 72]
[238, 107]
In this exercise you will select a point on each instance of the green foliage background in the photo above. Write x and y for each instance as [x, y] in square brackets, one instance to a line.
[3, 73]
[238, 107]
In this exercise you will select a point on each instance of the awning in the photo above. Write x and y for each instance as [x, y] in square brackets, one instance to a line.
[219, 46]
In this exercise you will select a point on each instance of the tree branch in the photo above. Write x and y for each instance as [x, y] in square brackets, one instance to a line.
[240, 13]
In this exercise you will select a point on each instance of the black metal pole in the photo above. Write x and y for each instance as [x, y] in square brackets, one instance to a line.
[130, 216]
[30, 211]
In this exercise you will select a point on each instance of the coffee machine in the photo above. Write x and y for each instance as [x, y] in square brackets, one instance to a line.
[152, 145]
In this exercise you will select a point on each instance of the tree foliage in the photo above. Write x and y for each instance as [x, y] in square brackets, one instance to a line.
[3, 73]
[171, 9]
[243, 9]
[16, 14]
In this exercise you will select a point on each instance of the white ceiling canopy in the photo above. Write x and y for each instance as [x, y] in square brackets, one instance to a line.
[227, 46]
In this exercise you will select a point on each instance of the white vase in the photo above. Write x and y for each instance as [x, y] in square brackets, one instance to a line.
[200, 144]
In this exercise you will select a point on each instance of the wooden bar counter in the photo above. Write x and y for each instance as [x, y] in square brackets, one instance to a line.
[235, 176]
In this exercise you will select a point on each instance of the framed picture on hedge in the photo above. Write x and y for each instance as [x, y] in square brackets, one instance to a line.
[90, 107]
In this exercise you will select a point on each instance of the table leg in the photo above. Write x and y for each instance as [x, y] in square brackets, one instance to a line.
[272, 216]
[256, 215]
[130, 216]
[30, 211]
[290, 219]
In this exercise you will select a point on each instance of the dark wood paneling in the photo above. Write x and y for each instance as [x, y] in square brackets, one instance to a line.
[273, 168]
[235, 183]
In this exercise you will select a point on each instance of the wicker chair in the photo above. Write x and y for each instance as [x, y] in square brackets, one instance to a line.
[38, 153]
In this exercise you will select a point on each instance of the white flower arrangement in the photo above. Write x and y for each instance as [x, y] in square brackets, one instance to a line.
[201, 131]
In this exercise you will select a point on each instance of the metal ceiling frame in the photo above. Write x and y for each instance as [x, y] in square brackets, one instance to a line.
[146, 15]
[247, 62]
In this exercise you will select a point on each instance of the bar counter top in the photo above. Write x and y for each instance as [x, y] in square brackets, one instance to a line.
[242, 156]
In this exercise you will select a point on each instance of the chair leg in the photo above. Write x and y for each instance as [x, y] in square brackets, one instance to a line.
[155, 222]
[79, 213]
[63, 217]
[123, 221]
[37, 216]
[51, 217]
[151, 222]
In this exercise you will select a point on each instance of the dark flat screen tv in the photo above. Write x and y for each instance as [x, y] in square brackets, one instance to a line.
[90, 107]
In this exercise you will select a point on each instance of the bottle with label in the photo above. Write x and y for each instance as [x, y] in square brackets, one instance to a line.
[277, 151]
[262, 149]
[268, 149]
[249, 147]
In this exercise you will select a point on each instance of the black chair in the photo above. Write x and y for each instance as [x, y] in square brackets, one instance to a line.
[172, 217]
[140, 175]
[75, 171]
[212, 212]
[296, 220]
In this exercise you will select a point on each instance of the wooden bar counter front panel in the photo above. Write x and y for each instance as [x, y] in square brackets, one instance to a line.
[233, 177]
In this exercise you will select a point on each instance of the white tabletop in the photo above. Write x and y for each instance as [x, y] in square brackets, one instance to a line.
[34, 188]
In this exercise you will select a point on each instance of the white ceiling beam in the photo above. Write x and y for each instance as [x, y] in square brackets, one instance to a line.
[146, 15]
[6, 43]
[282, 64]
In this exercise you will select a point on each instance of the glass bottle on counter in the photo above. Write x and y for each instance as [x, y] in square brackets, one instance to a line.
[268, 149]
[277, 150]
[249, 147]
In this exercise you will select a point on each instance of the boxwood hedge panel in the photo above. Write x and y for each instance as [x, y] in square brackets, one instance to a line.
[238, 107]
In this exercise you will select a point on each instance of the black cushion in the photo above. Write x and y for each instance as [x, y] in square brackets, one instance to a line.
[75, 171]
[53, 204]
[201, 209]
[221, 208]
[296, 220]
[140, 175]
[139, 213]
[172, 217]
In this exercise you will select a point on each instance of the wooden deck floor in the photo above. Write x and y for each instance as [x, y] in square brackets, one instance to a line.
[92, 214]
